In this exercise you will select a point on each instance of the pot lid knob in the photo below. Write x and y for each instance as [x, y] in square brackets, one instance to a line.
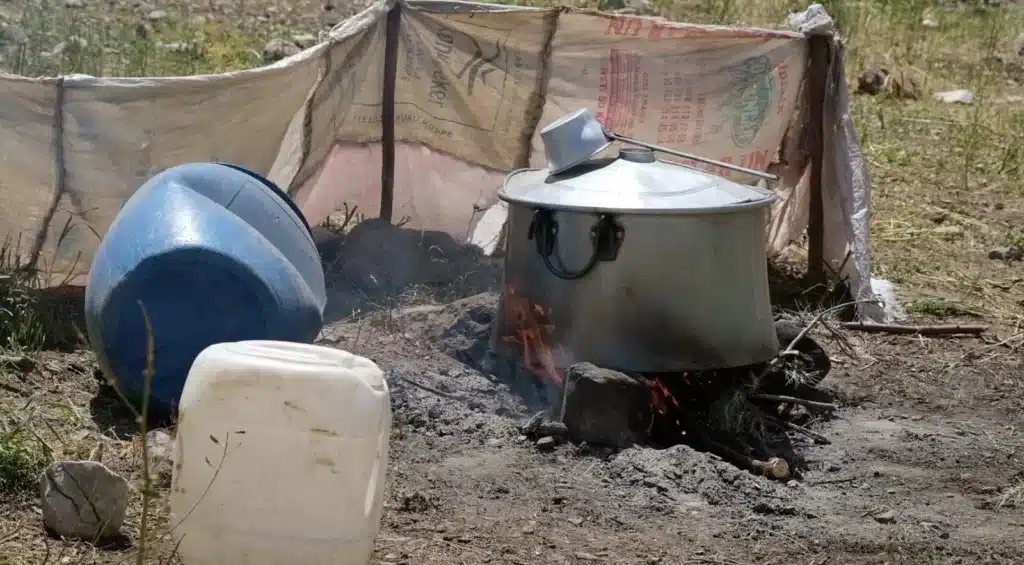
[636, 154]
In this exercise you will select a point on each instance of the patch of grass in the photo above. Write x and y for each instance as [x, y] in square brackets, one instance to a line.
[122, 39]
[22, 459]
[1015, 238]
[938, 308]
[21, 328]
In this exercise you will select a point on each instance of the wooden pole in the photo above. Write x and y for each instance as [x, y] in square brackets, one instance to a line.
[387, 169]
[817, 75]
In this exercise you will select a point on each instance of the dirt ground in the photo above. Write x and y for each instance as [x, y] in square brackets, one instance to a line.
[920, 454]
[921, 458]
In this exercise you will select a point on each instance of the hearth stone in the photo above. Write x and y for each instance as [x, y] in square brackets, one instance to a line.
[605, 407]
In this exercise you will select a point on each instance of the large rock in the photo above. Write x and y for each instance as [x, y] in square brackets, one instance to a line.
[605, 407]
[83, 500]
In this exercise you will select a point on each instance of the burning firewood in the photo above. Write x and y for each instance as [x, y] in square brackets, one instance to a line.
[774, 468]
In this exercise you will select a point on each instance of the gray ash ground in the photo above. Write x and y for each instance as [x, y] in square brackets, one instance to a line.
[897, 482]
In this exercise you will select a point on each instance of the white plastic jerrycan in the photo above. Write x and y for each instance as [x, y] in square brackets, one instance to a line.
[280, 456]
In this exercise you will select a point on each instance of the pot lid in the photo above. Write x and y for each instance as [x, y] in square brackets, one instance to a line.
[635, 182]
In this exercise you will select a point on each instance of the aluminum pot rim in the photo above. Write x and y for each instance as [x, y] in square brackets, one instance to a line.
[769, 199]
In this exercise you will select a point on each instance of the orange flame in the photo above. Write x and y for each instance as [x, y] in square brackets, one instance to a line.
[531, 330]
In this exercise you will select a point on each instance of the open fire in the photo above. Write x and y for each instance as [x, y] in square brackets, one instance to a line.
[713, 410]
[528, 328]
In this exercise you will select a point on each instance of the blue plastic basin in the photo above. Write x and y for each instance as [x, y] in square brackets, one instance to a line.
[213, 253]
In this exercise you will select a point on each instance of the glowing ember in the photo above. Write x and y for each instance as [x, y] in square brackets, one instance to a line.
[532, 331]
[661, 397]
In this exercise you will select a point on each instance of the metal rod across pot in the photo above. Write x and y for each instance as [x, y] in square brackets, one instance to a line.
[737, 168]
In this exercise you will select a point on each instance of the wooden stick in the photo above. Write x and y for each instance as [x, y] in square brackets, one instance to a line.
[947, 329]
[790, 349]
[16, 390]
[431, 389]
[806, 432]
[794, 400]
[774, 468]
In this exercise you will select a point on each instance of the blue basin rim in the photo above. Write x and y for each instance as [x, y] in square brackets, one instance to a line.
[280, 193]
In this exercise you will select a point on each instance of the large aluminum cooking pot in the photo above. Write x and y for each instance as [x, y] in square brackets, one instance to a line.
[636, 264]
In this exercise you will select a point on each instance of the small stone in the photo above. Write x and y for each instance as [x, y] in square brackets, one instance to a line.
[74, 4]
[277, 49]
[833, 468]
[12, 35]
[961, 96]
[143, 30]
[774, 509]
[305, 40]
[19, 362]
[530, 527]
[333, 18]
[929, 23]
[890, 491]
[886, 517]
[583, 556]
[160, 449]
[1006, 253]
[157, 16]
[553, 429]
[177, 47]
[546, 443]
[531, 426]
[415, 502]
[73, 42]
[871, 81]
[631, 7]
[575, 520]
[949, 231]
[390, 557]
[1018, 45]
[83, 500]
